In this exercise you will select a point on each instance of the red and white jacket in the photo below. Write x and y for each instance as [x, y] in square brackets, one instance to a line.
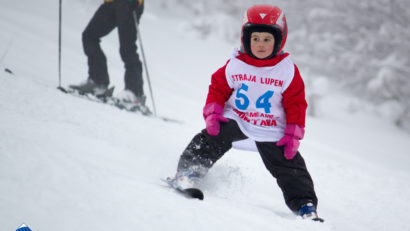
[262, 96]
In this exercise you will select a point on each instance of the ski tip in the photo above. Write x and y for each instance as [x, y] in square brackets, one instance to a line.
[167, 180]
[62, 89]
[195, 193]
[8, 71]
[318, 219]
[165, 119]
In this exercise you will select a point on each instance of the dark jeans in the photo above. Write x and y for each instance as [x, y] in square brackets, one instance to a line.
[292, 175]
[118, 14]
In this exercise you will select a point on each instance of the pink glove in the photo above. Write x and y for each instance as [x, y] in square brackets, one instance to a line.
[293, 133]
[213, 116]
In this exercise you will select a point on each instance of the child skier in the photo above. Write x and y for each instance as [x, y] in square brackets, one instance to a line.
[258, 95]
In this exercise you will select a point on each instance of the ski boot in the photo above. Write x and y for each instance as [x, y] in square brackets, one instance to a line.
[185, 182]
[90, 87]
[187, 179]
[127, 100]
[308, 211]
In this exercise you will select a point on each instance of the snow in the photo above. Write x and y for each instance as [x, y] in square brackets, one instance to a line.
[70, 164]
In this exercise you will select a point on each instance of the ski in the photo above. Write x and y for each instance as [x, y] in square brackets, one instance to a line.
[318, 219]
[107, 98]
[194, 193]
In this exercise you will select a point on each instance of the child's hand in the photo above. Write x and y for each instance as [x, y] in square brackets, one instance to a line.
[213, 116]
[293, 133]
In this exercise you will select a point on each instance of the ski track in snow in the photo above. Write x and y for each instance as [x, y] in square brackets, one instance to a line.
[70, 164]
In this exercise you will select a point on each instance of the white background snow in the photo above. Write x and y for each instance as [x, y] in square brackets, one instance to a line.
[70, 164]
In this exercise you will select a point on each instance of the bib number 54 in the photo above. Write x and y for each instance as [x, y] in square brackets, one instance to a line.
[242, 100]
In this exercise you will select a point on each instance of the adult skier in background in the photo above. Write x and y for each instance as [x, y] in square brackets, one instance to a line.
[258, 95]
[114, 14]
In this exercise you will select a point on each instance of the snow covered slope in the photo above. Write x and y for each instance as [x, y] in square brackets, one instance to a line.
[69, 164]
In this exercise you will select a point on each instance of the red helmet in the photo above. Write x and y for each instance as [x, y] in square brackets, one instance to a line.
[264, 18]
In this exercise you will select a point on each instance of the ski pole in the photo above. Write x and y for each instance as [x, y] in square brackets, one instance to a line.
[145, 64]
[59, 44]
[4, 56]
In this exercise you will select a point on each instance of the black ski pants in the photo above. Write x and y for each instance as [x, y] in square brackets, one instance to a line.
[292, 175]
[117, 14]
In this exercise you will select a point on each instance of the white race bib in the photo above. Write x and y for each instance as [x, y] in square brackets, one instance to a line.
[256, 100]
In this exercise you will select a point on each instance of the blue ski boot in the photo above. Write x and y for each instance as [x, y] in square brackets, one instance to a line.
[308, 211]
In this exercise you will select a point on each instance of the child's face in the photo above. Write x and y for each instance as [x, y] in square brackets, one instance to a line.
[262, 44]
